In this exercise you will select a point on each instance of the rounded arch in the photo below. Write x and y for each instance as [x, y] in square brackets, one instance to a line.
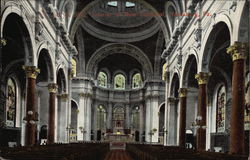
[120, 80]
[189, 71]
[13, 9]
[73, 100]
[209, 35]
[107, 72]
[122, 48]
[46, 66]
[61, 81]
[175, 85]
[161, 105]
[82, 13]
[172, 8]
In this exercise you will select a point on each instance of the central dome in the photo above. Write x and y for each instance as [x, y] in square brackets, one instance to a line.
[120, 21]
[120, 14]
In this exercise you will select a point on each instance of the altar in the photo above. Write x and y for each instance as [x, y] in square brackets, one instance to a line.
[114, 137]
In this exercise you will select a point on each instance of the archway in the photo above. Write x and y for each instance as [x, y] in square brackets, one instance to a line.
[45, 77]
[173, 111]
[14, 54]
[161, 122]
[73, 120]
[62, 112]
[219, 86]
[189, 81]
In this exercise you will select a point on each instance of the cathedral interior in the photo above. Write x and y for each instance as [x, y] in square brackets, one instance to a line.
[128, 79]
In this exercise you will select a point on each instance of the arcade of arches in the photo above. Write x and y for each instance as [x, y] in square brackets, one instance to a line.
[174, 73]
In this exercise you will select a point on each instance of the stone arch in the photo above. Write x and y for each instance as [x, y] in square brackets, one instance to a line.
[44, 56]
[207, 54]
[115, 48]
[61, 81]
[191, 63]
[12, 8]
[175, 85]
[161, 22]
[210, 34]
[171, 8]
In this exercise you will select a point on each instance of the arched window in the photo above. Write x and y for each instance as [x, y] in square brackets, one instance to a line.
[130, 4]
[101, 118]
[10, 103]
[220, 113]
[113, 3]
[102, 79]
[135, 118]
[136, 82]
[119, 81]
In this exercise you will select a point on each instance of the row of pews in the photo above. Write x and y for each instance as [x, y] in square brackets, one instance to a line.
[159, 152]
[72, 151]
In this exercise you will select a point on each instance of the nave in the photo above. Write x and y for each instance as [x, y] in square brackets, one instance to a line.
[102, 151]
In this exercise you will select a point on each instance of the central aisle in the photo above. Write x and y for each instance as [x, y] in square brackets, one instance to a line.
[117, 155]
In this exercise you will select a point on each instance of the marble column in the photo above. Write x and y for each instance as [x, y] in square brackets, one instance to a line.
[141, 122]
[51, 123]
[172, 121]
[202, 79]
[182, 122]
[155, 119]
[127, 109]
[62, 123]
[81, 117]
[166, 77]
[237, 51]
[148, 121]
[31, 105]
[109, 118]
[88, 118]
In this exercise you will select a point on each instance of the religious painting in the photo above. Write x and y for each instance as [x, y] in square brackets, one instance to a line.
[10, 103]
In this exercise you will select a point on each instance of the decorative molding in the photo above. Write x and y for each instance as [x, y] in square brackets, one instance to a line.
[52, 87]
[85, 95]
[183, 92]
[237, 50]
[31, 71]
[203, 77]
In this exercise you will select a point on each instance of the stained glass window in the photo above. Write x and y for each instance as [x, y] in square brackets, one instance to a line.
[101, 117]
[10, 103]
[136, 82]
[130, 4]
[102, 79]
[221, 103]
[119, 81]
[113, 3]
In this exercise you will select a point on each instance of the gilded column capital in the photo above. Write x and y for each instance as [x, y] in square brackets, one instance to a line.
[52, 87]
[172, 100]
[183, 92]
[237, 50]
[31, 71]
[203, 77]
[85, 95]
[64, 97]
